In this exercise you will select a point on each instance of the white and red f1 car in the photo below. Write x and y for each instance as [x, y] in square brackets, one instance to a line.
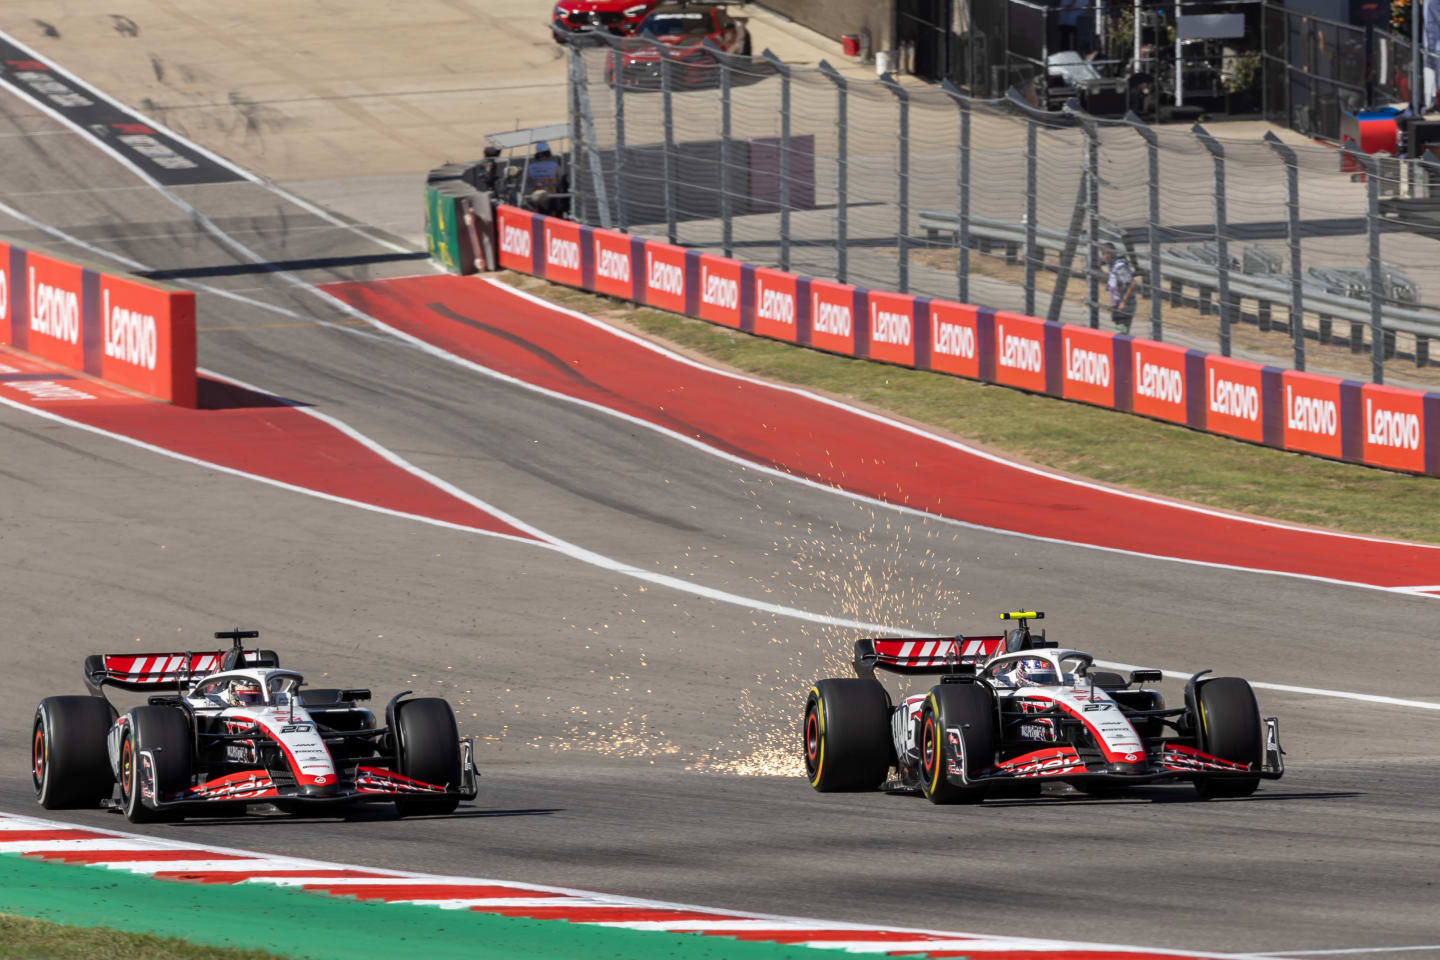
[1016, 708]
[232, 727]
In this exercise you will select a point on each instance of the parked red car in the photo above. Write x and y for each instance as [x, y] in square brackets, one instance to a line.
[684, 28]
[620, 17]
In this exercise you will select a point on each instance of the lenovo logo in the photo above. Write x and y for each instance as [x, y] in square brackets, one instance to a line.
[1157, 382]
[612, 265]
[1086, 366]
[130, 336]
[4, 295]
[1233, 399]
[1022, 353]
[718, 291]
[832, 318]
[1311, 414]
[665, 277]
[53, 311]
[954, 340]
[888, 327]
[774, 305]
[514, 240]
[560, 252]
[1391, 428]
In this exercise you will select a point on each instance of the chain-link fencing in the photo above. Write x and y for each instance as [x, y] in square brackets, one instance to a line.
[1287, 253]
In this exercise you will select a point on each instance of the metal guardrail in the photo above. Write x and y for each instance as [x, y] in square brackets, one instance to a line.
[1266, 291]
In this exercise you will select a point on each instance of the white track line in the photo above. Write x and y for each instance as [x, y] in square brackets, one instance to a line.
[1335, 953]
[561, 897]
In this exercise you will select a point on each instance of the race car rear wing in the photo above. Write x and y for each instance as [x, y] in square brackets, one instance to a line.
[940, 655]
[159, 672]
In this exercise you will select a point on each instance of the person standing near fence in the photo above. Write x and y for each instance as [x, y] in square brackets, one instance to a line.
[1121, 286]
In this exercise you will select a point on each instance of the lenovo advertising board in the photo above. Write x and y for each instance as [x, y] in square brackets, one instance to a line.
[516, 239]
[892, 328]
[719, 300]
[562, 251]
[1020, 351]
[614, 264]
[1311, 414]
[775, 304]
[1087, 365]
[954, 338]
[832, 317]
[147, 338]
[664, 282]
[1234, 399]
[124, 330]
[1393, 425]
[53, 291]
[1158, 381]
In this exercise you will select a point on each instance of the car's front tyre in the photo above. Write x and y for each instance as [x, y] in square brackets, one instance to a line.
[1227, 725]
[968, 711]
[163, 735]
[427, 749]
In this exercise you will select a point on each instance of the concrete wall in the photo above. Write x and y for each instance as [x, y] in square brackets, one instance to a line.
[835, 17]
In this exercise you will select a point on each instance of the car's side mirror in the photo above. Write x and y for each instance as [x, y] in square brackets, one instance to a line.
[1146, 676]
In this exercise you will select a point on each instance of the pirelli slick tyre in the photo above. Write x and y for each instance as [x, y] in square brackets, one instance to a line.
[1227, 724]
[163, 735]
[845, 734]
[427, 748]
[68, 762]
[969, 709]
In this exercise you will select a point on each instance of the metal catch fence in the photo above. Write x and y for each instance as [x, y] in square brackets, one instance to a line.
[1277, 252]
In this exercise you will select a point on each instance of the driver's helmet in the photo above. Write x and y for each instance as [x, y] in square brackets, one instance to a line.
[243, 692]
[1034, 673]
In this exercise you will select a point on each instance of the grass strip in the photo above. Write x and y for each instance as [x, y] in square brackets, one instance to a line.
[1105, 445]
[26, 939]
[297, 924]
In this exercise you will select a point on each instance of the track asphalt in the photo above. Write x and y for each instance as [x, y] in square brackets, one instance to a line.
[616, 713]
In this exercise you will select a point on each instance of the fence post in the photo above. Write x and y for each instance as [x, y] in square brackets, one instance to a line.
[1092, 203]
[727, 222]
[591, 151]
[962, 194]
[1368, 164]
[1030, 186]
[842, 171]
[1292, 204]
[572, 75]
[668, 189]
[617, 80]
[784, 71]
[902, 246]
[1222, 245]
[1152, 230]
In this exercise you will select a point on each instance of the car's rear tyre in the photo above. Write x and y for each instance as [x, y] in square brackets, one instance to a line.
[68, 762]
[968, 708]
[427, 749]
[163, 733]
[1227, 725]
[845, 734]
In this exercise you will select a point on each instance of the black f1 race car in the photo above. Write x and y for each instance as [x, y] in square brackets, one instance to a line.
[1016, 708]
[233, 728]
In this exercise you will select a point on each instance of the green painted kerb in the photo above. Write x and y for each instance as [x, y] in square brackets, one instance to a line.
[298, 924]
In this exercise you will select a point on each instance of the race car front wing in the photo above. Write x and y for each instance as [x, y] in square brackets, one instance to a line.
[362, 783]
